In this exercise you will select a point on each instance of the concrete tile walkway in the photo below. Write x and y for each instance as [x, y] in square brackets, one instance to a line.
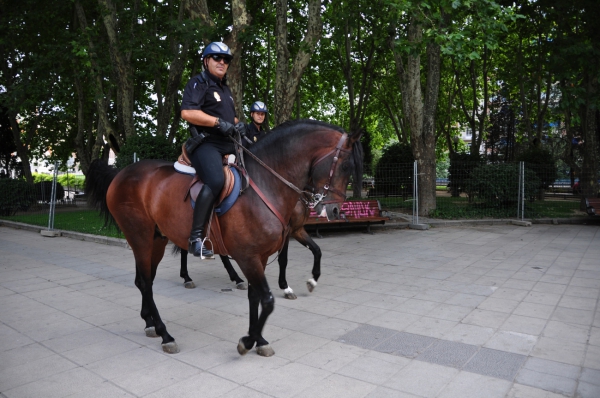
[485, 311]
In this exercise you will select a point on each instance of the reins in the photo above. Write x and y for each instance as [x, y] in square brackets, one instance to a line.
[314, 198]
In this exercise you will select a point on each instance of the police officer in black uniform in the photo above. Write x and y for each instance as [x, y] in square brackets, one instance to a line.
[254, 130]
[208, 106]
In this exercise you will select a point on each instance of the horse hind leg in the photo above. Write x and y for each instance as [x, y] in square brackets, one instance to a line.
[288, 293]
[146, 266]
[188, 283]
[304, 238]
[233, 276]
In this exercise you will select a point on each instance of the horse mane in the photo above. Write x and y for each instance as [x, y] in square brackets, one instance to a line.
[290, 128]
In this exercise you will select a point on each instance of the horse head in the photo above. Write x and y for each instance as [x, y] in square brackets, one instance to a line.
[331, 172]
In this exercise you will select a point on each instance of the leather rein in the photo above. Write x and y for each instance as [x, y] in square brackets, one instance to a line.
[313, 199]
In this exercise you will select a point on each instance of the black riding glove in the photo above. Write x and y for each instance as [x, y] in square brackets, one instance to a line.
[241, 128]
[225, 128]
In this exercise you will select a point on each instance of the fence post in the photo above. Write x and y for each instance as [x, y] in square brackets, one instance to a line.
[51, 232]
[523, 191]
[415, 221]
[134, 157]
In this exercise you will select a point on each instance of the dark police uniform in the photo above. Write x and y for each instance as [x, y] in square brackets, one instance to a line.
[253, 134]
[207, 93]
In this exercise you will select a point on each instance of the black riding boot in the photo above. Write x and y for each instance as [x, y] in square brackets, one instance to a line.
[202, 211]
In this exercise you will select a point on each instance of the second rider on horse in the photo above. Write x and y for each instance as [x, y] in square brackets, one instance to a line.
[208, 106]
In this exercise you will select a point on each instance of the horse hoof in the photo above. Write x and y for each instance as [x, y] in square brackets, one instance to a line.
[288, 293]
[265, 351]
[189, 285]
[290, 296]
[150, 332]
[311, 284]
[242, 350]
[242, 286]
[170, 348]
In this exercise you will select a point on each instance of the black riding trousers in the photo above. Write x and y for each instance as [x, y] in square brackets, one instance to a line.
[207, 159]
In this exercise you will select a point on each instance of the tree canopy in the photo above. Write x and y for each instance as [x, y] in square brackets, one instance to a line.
[85, 76]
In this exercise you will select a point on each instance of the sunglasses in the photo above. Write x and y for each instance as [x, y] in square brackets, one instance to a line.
[218, 58]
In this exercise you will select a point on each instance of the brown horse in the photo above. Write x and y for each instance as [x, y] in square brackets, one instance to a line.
[146, 200]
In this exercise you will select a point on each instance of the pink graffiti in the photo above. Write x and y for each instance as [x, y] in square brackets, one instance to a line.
[358, 209]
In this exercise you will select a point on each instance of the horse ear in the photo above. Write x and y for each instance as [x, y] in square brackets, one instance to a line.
[355, 136]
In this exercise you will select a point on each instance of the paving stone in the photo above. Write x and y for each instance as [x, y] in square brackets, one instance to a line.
[448, 353]
[405, 344]
[469, 385]
[367, 336]
[500, 364]
[558, 384]
[591, 376]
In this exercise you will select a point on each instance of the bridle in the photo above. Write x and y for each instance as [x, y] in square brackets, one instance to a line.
[317, 198]
[309, 199]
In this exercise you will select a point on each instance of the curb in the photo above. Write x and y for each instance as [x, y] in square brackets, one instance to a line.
[391, 225]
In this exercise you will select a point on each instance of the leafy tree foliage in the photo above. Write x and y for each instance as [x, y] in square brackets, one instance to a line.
[146, 146]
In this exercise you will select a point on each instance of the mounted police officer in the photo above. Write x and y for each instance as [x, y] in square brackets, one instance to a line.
[254, 130]
[208, 106]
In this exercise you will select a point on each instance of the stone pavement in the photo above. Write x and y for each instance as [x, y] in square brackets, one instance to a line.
[484, 311]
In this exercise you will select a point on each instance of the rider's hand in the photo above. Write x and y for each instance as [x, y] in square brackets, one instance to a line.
[225, 128]
[241, 128]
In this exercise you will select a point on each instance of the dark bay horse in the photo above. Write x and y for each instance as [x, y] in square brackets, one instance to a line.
[146, 200]
[297, 232]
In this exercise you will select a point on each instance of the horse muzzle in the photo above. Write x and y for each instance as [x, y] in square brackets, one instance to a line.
[329, 210]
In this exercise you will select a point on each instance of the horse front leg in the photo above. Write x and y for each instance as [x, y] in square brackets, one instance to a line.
[258, 294]
[188, 283]
[304, 238]
[288, 293]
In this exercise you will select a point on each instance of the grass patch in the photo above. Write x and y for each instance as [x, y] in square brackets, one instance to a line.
[86, 221]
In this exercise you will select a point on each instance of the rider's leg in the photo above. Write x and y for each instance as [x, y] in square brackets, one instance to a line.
[202, 210]
[207, 161]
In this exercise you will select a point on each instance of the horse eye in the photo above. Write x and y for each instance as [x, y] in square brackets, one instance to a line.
[346, 166]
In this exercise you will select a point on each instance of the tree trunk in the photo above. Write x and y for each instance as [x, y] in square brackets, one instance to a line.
[105, 128]
[421, 113]
[588, 179]
[286, 80]
[121, 63]
[22, 148]
[241, 20]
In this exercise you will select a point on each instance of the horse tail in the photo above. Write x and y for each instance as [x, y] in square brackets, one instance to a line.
[97, 181]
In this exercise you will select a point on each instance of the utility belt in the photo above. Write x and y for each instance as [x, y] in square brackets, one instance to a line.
[197, 138]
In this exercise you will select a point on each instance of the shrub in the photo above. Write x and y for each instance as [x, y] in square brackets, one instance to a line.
[15, 195]
[498, 184]
[542, 163]
[394, 171]
[461, 167]
[146, 146]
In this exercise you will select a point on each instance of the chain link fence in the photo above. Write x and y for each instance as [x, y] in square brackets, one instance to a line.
[472, 190]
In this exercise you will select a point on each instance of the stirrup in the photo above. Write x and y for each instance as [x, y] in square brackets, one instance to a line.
[202, 256]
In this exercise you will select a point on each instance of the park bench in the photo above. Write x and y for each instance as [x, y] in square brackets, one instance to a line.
[352, 213]
[592, 206]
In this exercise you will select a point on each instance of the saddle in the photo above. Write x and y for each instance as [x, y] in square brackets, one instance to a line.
[223, 203]
[184, 165]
